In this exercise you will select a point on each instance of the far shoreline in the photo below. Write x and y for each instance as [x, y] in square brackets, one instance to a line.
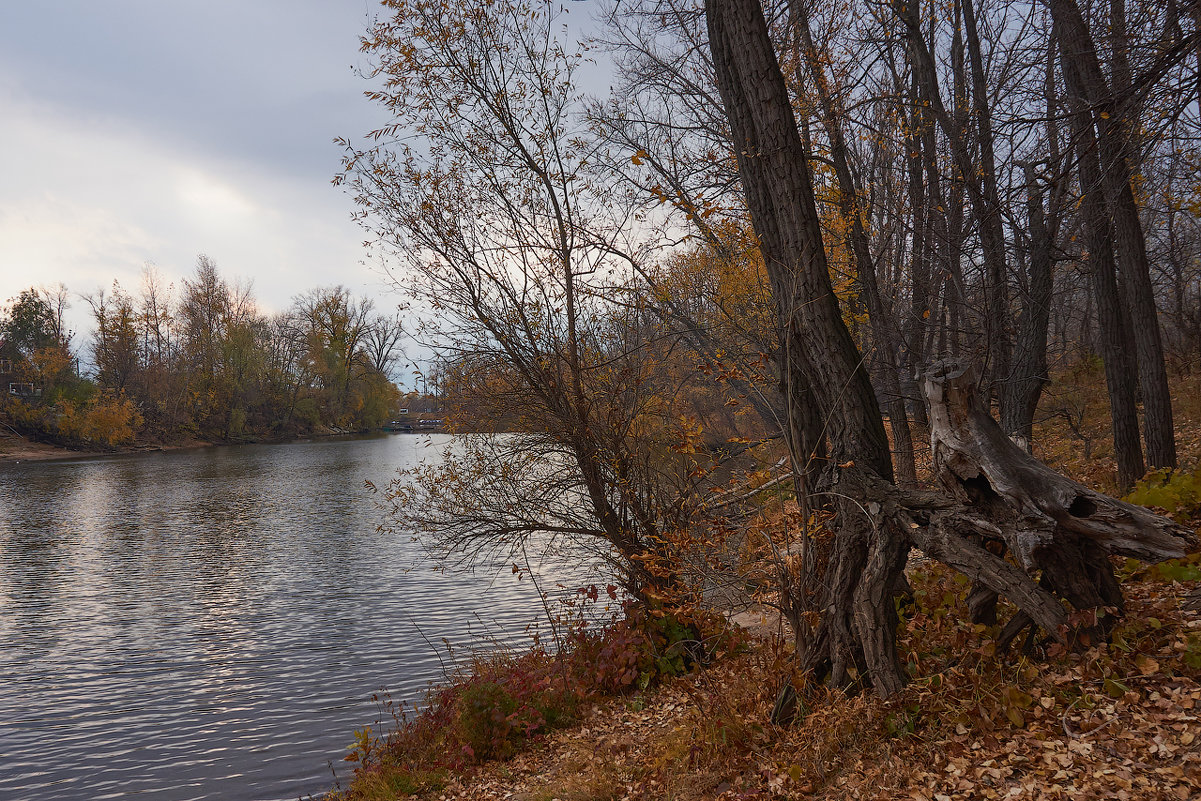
[17, 448]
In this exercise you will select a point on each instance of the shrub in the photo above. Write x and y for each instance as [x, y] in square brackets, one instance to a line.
[110, 420]
[485, 717]
[510, 699]
[100, 419]
[1178, 492]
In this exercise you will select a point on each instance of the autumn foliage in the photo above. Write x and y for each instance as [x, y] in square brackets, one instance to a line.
[200, 362]
[502, 703]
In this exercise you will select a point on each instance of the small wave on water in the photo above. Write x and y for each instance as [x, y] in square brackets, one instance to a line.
[213, 624]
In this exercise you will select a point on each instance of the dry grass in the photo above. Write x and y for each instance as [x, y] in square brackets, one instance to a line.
[1117, 721]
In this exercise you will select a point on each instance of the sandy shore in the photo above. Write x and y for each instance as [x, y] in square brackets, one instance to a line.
[20, 449]
[16, 448]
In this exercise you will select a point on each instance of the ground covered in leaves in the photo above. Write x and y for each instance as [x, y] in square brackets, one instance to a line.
[1118, 720]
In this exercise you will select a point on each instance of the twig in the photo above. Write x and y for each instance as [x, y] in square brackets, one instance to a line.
[1081, 735]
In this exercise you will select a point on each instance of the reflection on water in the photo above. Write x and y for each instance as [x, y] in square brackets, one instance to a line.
[213, 623]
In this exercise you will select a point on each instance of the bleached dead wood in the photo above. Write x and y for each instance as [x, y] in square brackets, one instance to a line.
[1059, 532]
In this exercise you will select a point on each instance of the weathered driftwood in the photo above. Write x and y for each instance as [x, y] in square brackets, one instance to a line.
[1009, 502]
[1015, 527]
[977, 463]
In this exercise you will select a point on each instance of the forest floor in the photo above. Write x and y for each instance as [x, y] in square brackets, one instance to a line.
[1119, 720]
[1072, 428]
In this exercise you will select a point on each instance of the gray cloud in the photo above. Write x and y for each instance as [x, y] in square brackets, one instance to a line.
[140, 131]
[269, 80]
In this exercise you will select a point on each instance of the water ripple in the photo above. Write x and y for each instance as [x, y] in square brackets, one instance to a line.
[213, 624]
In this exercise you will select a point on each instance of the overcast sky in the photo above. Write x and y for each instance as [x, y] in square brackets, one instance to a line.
[136, 131]
[151, 131]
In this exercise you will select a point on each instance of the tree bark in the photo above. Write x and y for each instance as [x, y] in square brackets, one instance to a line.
[884, 334]
[1021, 392]
[1110, 111]
[1112, 323]
[992, 233]
[856, 632]
[1049, 523]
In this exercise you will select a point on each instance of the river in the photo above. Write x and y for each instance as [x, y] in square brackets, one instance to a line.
[213, 623]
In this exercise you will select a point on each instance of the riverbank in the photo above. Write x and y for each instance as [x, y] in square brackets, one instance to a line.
[16, 448]
[1119, 720]
[19, 448]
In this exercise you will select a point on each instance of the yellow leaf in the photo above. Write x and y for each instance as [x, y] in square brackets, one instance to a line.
[1018, 698]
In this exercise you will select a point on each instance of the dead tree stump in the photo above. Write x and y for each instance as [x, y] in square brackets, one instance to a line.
[1014, 526]
[1059, 533]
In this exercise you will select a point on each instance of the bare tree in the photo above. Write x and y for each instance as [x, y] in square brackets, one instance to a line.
[481, 190]
[991, 489]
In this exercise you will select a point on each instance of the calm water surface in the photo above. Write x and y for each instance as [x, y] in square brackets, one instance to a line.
[212, 624]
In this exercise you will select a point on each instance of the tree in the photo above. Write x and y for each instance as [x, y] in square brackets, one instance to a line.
[481, 188]
[1112, 318]
[1109, 109]
[337, 328]
[34, 341]
[992, 491]
[849, 195]
[116, 349]
[29, 324]
[382, 343]
[776, 179]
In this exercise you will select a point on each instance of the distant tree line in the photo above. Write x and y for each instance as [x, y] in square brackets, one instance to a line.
[198, 361]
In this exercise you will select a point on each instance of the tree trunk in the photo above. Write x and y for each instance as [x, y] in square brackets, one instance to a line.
[1110, 112]
[992, 233]
[1049, 523]
[1029, 373]
[884, 333]
[985, 203]
[853, 593]
[959, 315]
[1120, 375]
[919, 269]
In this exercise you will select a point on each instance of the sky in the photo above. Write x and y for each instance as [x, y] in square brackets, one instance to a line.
[148, 132]
[151, 131]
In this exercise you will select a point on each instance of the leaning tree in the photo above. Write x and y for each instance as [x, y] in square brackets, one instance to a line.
[993, 498]
[481, 191]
